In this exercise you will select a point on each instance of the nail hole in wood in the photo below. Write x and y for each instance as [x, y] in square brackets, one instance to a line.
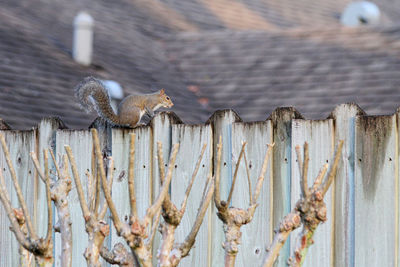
[176, 166]
[390, 159]
[327, 161]
[144, 166]
[359, 160]
[224, 163]
[257, 251]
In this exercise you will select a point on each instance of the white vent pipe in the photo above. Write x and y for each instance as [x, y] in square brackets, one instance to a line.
[83, 39]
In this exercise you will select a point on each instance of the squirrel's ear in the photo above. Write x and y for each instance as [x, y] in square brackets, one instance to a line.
[162, 92]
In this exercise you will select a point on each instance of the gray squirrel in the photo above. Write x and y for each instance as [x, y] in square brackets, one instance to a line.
[92, 95]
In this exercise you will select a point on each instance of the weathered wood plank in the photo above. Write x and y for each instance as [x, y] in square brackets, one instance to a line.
[282, 166]
[142, 172]
[221, 122]
[320, 136]
[46, 132]
[191, 139]
[80, 142]
[161, 125]
[345, 116]
[258, 232]
[20, 144]
[376, 156]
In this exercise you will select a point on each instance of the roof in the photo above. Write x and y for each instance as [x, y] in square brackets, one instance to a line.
[256, 72]
[248, 55]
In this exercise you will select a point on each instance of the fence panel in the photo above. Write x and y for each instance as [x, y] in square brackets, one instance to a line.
[258, 232]
[142, 173]
[191, 139]
[320, 136]
[80, 142]
[282, 165]
[376, 191]
[20, 144]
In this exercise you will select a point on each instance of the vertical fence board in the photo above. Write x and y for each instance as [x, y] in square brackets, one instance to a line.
[221, 122]
[161, 125]
[142, 173]
[319, 135]
[80, 142]
[46, 140]
[345, 116]
[282, 164]
[191, 139]
[20, 144]
[375, 191]
[258, 232]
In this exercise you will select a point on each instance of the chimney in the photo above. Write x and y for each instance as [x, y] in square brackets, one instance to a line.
[83, 39]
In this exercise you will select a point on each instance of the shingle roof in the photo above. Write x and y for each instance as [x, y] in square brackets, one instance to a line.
[255, 72]
[37, 74]
[206, 53]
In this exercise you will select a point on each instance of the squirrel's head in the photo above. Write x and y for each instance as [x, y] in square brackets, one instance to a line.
[166, 101]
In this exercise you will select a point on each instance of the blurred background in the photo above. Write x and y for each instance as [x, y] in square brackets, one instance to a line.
[249, 55]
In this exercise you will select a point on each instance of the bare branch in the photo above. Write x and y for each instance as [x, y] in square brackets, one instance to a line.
[37, 166]
[5, 199]
[262, 174]
[332, 172]
[153, 231]
[287, 225]
[235, 174]
[110, 179]
[305, 170]
[55, 163]
[131, 178]
[18, 189]
[119, 255]
[299, 161]
[107, 191]
[217, 193]
[320, 177]
[79, 189]
[48, 195]
[167, 201]
[164, 190]
[248, 178]
[196, 169]
[191, 238]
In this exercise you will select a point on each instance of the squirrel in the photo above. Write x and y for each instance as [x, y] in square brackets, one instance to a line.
[92, 94]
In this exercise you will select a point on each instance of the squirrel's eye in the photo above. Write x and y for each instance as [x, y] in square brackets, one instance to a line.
[167, 97]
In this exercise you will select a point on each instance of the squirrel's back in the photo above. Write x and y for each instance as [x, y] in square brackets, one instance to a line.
[92, 94]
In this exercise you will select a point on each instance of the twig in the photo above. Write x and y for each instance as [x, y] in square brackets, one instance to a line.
[235, 174]
[170, 254]
[234, 218]
[21, 199]
[312, 209]
[131, 178]
[248, 178]
[196, 169]
[41, 248]
[260, 179]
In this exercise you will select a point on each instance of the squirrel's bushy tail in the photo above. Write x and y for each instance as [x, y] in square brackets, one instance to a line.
[92, 95]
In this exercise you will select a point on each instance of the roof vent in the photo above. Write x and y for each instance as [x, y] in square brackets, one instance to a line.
[83, 39]
[360, 13]
[114, 89]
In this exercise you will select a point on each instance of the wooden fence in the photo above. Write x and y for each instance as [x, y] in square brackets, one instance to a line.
[363, 203]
